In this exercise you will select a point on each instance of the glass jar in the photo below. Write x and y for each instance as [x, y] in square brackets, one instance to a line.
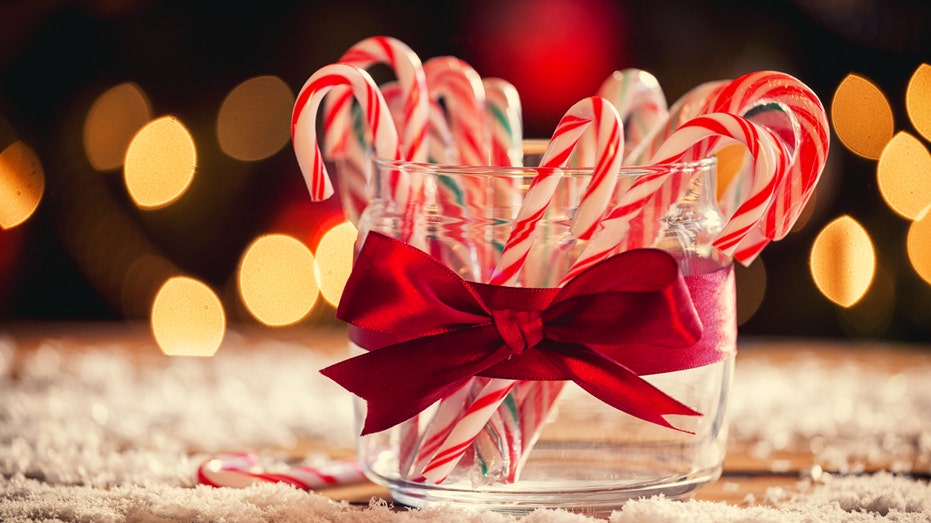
[572, 451]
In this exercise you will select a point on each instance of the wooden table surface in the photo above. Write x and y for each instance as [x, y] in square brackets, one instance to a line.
[746, 478]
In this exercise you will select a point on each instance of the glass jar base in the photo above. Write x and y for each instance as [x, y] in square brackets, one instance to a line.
[598, 498]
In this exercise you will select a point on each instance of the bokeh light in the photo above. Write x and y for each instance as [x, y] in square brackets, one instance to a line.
[730, 160]
[918, 245]
[253, 122]
[22, 183]
[904, 175]
[871, 316]
[187, 318]
[160, 163]
[843, 261]
[751, 288]
[918, 100]
[536, 45]
[334, 260]
[277, 281]
[861, 116]
[112, 121]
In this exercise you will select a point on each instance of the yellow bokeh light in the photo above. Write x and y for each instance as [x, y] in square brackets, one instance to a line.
[904, 175]
[276, 279]
[871, 316]
[22, 183]
[334, 260]
[160, 163]
[112, 121]
[730, 160]
[843, 261]
[918, 245]
[862, 117]
[254, 118]
[187, 318]
[918, 100]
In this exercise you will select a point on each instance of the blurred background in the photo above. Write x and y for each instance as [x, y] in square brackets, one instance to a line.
[212, 84]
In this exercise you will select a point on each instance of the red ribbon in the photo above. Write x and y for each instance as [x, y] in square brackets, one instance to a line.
[427, 330]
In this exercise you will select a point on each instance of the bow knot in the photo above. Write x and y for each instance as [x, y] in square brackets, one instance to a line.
[427, 331]
[520, 330]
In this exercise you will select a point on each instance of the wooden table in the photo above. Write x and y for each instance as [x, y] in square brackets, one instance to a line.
[746, 479]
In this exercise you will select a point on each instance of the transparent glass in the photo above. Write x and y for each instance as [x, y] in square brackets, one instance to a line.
[583, 456]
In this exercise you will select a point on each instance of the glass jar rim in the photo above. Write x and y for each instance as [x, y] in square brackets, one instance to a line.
[536, 148]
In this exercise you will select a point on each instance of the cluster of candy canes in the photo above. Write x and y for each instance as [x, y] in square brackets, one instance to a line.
[442, 111]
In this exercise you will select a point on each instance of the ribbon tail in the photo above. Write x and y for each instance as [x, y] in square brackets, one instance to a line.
[402, 380]
[618, 386]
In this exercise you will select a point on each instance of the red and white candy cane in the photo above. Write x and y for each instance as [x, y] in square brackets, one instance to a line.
[467, 426]
[461, 89]
[304, 124]
[793, 112]
[412, 127]
[241, 469]
[503, 122]
[594, 111]
[591, 111]
[640, 102]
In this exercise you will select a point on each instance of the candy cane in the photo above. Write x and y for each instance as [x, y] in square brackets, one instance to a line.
[640, 102]
[460, 87]
[304, 121]
[590, 111]
[503, 122]
[412, 83]
[241, 469]
[791, 110]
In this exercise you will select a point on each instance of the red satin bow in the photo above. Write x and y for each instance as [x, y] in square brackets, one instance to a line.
[428, 331]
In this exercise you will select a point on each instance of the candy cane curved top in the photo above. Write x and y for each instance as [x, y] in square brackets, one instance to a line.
[639, 100]
[804, 129]
[460, 86]
[410, 77]
[587, 112]
[304, 122]
[503, 122]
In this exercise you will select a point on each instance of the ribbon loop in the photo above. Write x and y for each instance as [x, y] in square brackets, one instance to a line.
[427, 330]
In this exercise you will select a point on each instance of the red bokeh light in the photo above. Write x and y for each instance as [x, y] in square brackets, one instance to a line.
[304, 219]
[555, 52]
[11, 246]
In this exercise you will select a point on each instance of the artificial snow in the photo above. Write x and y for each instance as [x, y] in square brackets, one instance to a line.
[90, 435]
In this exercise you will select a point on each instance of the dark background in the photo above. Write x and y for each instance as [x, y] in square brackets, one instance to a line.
[57, 56]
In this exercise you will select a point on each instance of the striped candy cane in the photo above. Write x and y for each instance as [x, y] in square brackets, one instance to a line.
[337, 116]
[590, 111]
[794, 113]
[640, 102]
[461, 89]
[241, 469]
[503, 122]
[304, 124]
